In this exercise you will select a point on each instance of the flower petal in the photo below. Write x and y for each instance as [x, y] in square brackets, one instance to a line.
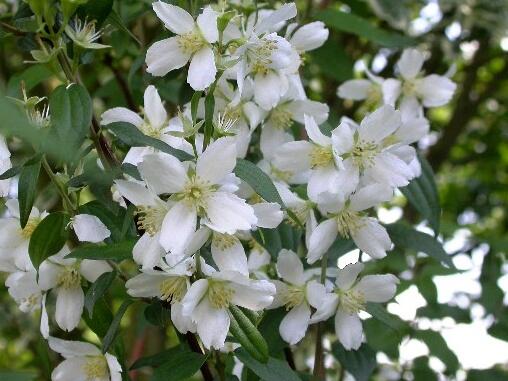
[436, 90]
[310, 36]
[69, 307]
[89, 228]
[321, 240]
[378, 288]
[372, 238]
[163, 173]
[207, 22]
[93, 269]
[218, 160]
[346, 277]
[229, 254]
[154, 109]
[355, 89]
[69, 349]
[176, 19]
[370, 196]
[294, 326]
[290, 267]
[193, 297]
[349, 330]
[164, 56]
[212, 324]
[269, 214]
[410, 63]
[121, 114]
[178, 227]
[227, 213]
[136, 193]
[294, 156]
[380, 124]
[315, 133]
[254, 295]
[202, 69]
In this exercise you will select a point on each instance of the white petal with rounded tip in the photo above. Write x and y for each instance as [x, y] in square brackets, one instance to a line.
[342, 138]
[148, 252]
[370, 196]
[176, 19]
[346, 277]
[70, 369]
[355, 89]
[349, 330]
[269, 214]
[229, 256]
[92, 269]
[294, 156]
[136, 193]
[145, 285]
[202, 69]
[207, 22]
[48, 275]
[378, 288]
[227, 213]
[44, 325]
[154, 109]
[410, 63]
[326, 309]
[164, 56]
[212, 324]
[268, 89]
[436, 90]
[114, 366]
[321, 240]
[13, 207]
[323, 180]
[121, 114]
[286, 12]
[317, 110]
[392, 89]
[294, 326]
[69, 307]
[390, 169]
[163, 173]
[182, 323]
[315, 133]
[178, 227]
[218, 160]
[89, 228]
[380, 124]
[310, 36]
[372, 238]
[194, 294]
[254, 295]
[290, 267]
[315, 293]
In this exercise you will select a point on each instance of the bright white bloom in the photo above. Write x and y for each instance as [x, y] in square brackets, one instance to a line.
[208, 299]
[65, 275]
[192, 43]
[168, 283]
[204, 190]
[308, 37]
[154, 124]
[23, 288]
[345, 219]
[84, 34]
[350, 297]
[14, 240]
[371, 149]
[431, 91]
[83, 361]
[298, 292]
[89, 228]
[5, 164]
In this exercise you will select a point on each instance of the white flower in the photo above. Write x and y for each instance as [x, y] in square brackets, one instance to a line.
[204, 190]
[369, 150]
[64, 275]
[346, 220]
[83, 361]
[23, 288]
[14, 240]
[432, 90]
[208, 299]
[297, 293]
[168, 283]
[349, 297]
[192, 43]
[89, 228]
[84, 34]
[308, 37]
[154, 124]
[316, 156]
[370, 89]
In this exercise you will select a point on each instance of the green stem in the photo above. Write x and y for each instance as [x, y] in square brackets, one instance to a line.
[67, 203]
[319, 366]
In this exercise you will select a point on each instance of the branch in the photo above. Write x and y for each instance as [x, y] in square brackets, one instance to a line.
[194, 345]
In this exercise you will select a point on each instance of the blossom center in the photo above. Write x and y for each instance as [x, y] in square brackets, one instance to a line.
[351, 301]
[321, 156]
[281, 118]
[293, 296]
[149, 130]
[69, 278]
[261, 56]
[223, 241]
[196, 191]
[29, 228]
[83, 33]
[32, 301]
[191, 42]
[284, 176]
[364, 153]
[150, 218]
[219, 294]
[96, 368]
[348, 222]
[409, 87]
[173, 289]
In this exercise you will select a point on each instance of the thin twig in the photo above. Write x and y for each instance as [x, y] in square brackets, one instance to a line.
[194, 345]
[319, 364]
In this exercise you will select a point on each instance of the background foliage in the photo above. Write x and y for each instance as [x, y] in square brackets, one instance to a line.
[467, 150]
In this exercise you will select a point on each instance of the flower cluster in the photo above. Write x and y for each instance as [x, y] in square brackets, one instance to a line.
[199, 223]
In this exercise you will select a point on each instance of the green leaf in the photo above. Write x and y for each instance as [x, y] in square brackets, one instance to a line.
[71, 116]
[96, 10]
[350, 23]
[390, 320]
[113, 252]
[113, 221]
[21, 375]
[101, 318]
[182, 365]
[160, 358]
[115, 20]
[48, 237]
[360, 363]
[115, 325]
[31, 77]
[156, 314]
[333, 61]
[272, 370]
[270, 240]
[487, 375]
[97, 290]
[209, 108]
[11, 172]
[405, 236]
[438, 347]
[27, 186]
[258, 180]
[133, 137]
[194, 105]
[423, 196]
[247, 334]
